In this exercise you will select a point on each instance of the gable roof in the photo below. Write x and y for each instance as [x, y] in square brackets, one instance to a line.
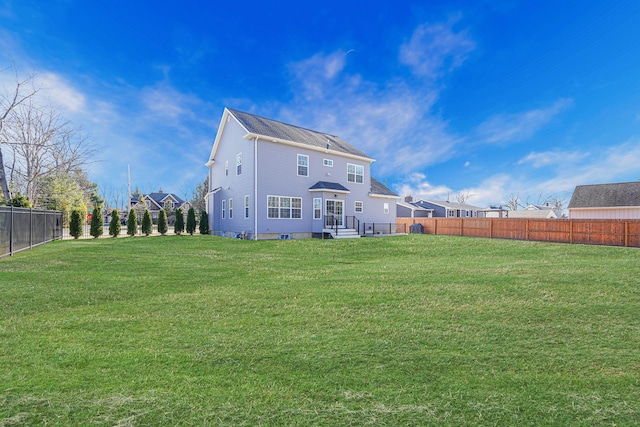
[157, 198]
[325, 185]
[379, 188]
[606, 195]
[261, 126]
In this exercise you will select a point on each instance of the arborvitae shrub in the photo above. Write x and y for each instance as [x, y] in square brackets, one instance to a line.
[114, 225]
[191, 221]
[96, 223]
[178, 227]
[132, 223]
[163, 226]
[147, 224]
[75, 224]
[204, 223]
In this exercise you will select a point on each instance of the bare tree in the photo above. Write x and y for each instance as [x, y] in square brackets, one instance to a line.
[24, 90]
[463, 197]
[513, 202]
[41, 144]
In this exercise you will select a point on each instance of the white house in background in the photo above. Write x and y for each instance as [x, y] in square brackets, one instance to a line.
[606, 201]
[272, 180]
[535, 211]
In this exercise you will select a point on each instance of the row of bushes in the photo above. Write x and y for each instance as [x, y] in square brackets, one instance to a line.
[96, 229]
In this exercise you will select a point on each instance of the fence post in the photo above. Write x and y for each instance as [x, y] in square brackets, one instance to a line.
[11, 233]
[490, 228]
[526, 230]
[435, 226]
[626, 233]
[30, 228]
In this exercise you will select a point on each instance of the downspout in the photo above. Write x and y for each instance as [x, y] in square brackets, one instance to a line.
[255, 189]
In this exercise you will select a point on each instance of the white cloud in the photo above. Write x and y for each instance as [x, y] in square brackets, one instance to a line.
[61, 92]
[552, 158]
[434, 48]
[516, 127]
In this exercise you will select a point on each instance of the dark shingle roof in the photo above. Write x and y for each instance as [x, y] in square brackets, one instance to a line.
[274, 129]
[379, 188]
[606, 195]
[324, 185]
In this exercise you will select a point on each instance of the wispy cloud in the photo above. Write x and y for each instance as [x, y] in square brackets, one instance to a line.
[385, 117]
[552, 158]
[436, 48]
[515, 127]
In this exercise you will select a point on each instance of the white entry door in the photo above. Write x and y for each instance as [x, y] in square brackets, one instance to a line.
[334, 213]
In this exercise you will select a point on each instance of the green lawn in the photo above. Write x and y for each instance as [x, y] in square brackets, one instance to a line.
[411, 330]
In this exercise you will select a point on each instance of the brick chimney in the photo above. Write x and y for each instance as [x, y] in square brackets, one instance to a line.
[408, 199]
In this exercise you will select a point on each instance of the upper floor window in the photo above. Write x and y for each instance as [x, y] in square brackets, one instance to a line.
[355, 173]
[238, 163]
[328, 162]
[226, 168]
[303, 165]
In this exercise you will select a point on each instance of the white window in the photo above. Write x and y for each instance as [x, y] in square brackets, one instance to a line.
[224, 207]
[303, 165]
[317, 208]
[230, 208]
[226, 168]
[358, 207]
[355, 173]
[386, 208]
[328, 162]
[284, 207]
[246, 206]
[238, 163]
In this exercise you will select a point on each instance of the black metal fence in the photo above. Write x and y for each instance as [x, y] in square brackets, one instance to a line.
[22, 228]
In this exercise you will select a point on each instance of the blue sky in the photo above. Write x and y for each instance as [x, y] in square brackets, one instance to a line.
[486, 98]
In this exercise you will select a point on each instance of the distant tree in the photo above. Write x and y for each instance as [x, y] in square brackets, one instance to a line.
[513, 202]
[163, 226]
[96, 223]
[191, 221]
[147, 224]
[75, 224]
[132, 223]
[199, 195]
[204, 223]
[178, 227]
[463, 197]
[114, 225]
[19, 201]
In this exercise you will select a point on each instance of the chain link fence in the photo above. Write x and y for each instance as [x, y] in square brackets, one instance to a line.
[22, 228]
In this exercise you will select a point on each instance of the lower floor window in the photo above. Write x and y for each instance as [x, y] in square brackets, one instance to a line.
[284, 207]
[358, 207]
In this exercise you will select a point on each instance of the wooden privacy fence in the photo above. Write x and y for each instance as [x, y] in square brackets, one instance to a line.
[610, 232]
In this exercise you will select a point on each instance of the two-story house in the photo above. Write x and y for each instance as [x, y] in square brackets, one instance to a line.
[271, 180]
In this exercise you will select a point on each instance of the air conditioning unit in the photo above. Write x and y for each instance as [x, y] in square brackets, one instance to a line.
[285, 237]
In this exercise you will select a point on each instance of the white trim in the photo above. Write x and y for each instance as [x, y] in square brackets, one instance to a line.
[383, 196]
[298, 164]
[328, 190]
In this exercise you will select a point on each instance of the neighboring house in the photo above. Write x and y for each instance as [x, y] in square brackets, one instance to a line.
[157, 201]
[535, 211]
[271, 180]
[450, 210]
[606, 201]
[493, 212]
[408, 209]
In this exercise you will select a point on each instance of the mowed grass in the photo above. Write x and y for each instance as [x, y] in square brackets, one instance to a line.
[410, 330]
